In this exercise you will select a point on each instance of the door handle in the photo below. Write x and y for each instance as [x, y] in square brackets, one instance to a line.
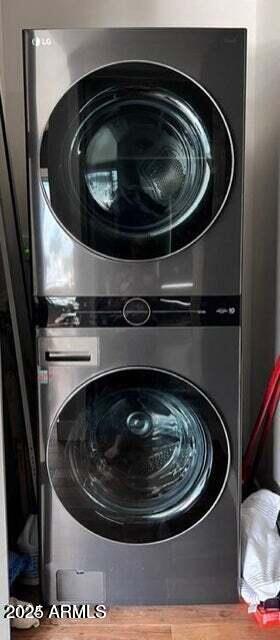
[67, 356]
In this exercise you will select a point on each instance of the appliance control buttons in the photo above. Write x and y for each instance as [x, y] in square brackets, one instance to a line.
[136, 311]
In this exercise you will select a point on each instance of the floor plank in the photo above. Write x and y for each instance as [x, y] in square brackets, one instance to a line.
[101, 632]
[163, 615]
[233, 631]
[229, 622]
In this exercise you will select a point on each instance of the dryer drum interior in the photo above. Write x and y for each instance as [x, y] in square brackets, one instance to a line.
[138, 455]
[136, 161]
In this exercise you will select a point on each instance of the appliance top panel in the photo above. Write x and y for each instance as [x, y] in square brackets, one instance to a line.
[213, 57]
[207, 33]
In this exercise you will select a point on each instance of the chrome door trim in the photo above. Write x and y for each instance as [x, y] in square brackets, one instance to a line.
[165, 257]
[183, 380]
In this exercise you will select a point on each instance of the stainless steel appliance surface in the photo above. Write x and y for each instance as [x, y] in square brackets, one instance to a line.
[135, 157]
[140, 459]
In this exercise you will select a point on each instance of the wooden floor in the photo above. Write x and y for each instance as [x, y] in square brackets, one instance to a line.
[230, 622]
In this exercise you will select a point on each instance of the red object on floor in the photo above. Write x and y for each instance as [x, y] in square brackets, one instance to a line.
[267, 617]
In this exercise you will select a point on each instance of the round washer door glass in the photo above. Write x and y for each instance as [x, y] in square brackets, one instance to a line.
[138, 455]
[136, 161]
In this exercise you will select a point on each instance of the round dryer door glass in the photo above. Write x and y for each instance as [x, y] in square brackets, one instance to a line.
[136, 161]
[138, 455]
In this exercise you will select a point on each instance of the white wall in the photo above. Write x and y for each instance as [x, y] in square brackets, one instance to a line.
[266, 325]
[4, 588]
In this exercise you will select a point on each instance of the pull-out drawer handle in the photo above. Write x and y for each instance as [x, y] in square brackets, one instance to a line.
[67, 356]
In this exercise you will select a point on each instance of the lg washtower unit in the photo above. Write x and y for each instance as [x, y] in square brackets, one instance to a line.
[135, 164]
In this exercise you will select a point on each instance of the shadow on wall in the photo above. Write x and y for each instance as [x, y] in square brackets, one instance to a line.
[265, 233]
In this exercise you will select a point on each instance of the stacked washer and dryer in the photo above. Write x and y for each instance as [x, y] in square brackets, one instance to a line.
[135, 155]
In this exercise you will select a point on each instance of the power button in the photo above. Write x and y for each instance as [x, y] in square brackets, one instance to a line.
[136, 311]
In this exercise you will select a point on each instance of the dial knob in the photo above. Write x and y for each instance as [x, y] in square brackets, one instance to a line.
[136, 311]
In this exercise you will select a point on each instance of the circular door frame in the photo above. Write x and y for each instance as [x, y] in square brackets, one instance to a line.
[182, 380]
[222, 205]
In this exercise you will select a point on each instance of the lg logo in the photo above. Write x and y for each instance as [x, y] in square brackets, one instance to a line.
[37, 42]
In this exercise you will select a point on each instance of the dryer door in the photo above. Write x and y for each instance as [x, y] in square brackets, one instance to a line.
[136, 161]
[138, 455]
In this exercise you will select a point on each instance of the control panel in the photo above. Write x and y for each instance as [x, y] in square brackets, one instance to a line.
[165, 311]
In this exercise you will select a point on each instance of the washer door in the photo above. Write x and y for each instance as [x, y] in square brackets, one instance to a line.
[136, 161]
[138, 455]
